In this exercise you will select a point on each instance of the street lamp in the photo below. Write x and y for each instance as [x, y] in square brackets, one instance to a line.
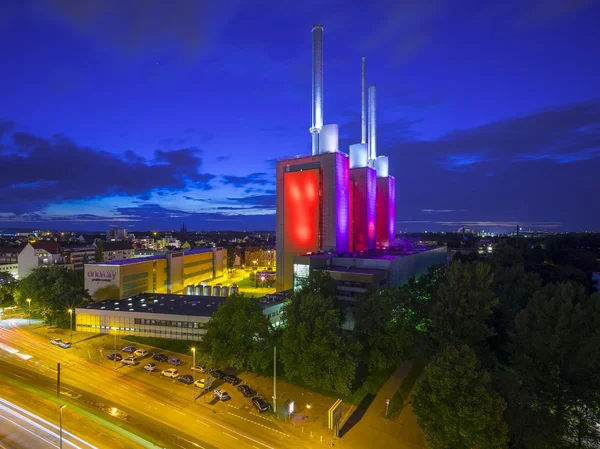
[194, 365]
[115, 353]
[71, 323]
[29, 301]
[255, 279]
[61, 408]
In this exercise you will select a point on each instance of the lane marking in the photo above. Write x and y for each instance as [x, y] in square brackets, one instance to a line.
[202, 422]
[231, 436]
[259, 424]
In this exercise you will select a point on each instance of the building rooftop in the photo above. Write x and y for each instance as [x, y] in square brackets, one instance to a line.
[163, 303]
[146, 259]
[382, 254]
[358, 270]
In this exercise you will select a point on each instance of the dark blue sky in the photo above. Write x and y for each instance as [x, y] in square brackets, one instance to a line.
[148, 113]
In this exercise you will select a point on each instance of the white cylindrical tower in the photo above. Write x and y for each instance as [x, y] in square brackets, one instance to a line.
[317, 87]
[363, 103]
[372, 124]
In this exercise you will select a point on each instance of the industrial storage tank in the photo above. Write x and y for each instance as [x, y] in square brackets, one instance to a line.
[225, 291]
[216, 290]
[199, 290]
[233, 291]
[207, 290]
[190, 290]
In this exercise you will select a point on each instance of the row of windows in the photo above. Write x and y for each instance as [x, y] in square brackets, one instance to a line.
[198, 273]
[195, 264]
[133, 277]
[150, 322]
[136, 284]
[131, 329]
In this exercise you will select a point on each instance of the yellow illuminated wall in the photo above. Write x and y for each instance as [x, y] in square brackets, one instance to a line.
[197, 268]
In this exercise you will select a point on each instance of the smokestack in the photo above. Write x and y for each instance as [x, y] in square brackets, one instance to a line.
[372, 125]
[363, 117]
[317, 87]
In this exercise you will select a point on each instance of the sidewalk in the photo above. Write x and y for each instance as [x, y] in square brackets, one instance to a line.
[370, 428]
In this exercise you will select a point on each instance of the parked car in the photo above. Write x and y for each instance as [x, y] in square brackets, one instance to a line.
[141, 353]
[64, 344]
[217, 374]
[246, 391]
[115, 356]
[200, 383]
[129, 349]
[231, 379]
[150, 367]
[186, 379]
[199, 368]
[160, 357]
[260, 404]
[131, 360]
[171, 372]
[174, 361]
[221, 394]
[55, 341]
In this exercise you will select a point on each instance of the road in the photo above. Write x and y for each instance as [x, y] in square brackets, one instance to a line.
[161, 411]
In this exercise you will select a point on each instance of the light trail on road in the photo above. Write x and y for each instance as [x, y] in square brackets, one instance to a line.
[29, 422]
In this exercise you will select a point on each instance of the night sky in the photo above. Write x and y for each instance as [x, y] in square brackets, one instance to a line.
[147, 114]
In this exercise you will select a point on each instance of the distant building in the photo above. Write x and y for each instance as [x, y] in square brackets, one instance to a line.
[117, 250]
[261, 257]
[39, 254]
[9, 260]
[115, 234]
[79, 255]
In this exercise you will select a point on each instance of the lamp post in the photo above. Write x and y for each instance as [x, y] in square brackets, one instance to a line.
[255, 279]
[115, 353]
[71, 323]
[61, 409]
[194, 365]
[29, 301]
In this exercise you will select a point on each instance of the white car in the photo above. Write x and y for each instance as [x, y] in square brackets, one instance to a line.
[222, 395]
[150, 367]
[171, 372]
[55, 341]
[64, 344]
[141, 353]
[130, 361]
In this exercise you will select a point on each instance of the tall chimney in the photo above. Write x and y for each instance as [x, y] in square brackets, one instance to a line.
[363, 117]
[317, 87]
[372, 125]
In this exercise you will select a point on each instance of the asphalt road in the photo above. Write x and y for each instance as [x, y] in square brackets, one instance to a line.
[161, 411]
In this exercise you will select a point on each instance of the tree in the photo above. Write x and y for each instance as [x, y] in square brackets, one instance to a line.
[314, 349]
[464, 303]
[99, 253]
[455, 406]
[239, 334]
[556, 356]
[7, 289]
[386, 324]
[52, 290]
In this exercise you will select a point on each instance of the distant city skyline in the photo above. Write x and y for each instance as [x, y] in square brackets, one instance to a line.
[490, 113]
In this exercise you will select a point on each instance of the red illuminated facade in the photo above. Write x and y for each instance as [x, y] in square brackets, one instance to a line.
[301, 210]
[386, 211]
[363, 207]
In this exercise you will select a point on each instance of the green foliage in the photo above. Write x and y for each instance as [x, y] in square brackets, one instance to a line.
[52, 290]
[8, 285]
[465, 301]
[557, 359]
[455, 406]
[314, 349]
[239, 334]
[99, 253]
[386, 324]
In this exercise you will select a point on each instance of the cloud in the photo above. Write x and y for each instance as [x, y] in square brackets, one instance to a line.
[442, 211]
[144, 25]
[38, 171]
[6, 126]
[223, 158]
[253, 178]
[256, 201]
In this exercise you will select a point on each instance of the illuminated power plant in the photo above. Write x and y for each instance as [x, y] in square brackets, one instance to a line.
[330, 201]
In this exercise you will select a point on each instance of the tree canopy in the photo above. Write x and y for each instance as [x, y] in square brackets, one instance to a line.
[239, 334]
[455, 405]
[314, 348]
[53, 291]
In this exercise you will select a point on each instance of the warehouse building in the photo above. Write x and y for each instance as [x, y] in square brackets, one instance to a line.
[177, 317]
[164, 273]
